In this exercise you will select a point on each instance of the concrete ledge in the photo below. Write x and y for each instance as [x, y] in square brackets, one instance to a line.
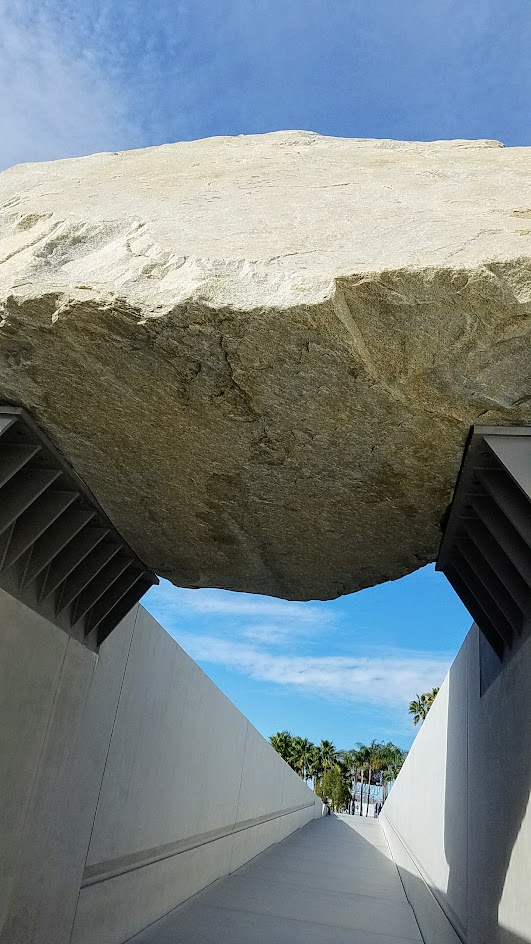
[106, 870]
[115, 910]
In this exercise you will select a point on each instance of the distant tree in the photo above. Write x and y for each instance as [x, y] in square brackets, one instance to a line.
[351, 761]
[363, 757]
[334, 785]
[336, 774]
[420, 705]
[393, 759]
[376, 759]
[381, 762]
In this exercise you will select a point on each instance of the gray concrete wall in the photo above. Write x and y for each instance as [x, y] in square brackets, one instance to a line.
[129, 782]
[458, 818]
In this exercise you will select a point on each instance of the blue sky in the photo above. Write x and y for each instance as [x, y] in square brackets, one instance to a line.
[106, 75]
[112, 74]
[344, 669]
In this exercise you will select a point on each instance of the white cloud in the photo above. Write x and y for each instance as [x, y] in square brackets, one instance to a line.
[180, 602]
[57, 101]
[246, 606]
[276, 641]
[275, 634]
[387, 677]
[79, 78]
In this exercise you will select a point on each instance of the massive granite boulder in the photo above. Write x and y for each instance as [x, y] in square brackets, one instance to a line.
[263, 354]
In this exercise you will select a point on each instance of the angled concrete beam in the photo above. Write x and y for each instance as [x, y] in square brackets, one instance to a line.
[89, 568]
[69, 558]
[58, 535]
[486, 547]
[59, 553]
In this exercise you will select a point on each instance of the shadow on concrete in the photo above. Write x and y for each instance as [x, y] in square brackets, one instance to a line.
[488, 781]
[324, 884]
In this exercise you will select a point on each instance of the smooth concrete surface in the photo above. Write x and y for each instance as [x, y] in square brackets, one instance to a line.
[30, 669]
[334, 882]
[183, 763]
[458, 819]
[58, 706]
[128, 782]
[431, 917]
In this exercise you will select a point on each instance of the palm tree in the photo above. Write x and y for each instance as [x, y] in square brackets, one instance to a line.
[363, 760]
[342, 769]
[420, 705]
[392, 758]
[418, 708]
[328, 755]
[351, 763]
[375, 762]
[303, 755]
[282, 741]
[315, 768]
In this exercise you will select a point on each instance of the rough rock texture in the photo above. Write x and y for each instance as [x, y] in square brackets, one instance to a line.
[263, 354]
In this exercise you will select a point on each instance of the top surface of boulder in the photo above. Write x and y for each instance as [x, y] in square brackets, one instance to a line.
[263, 354]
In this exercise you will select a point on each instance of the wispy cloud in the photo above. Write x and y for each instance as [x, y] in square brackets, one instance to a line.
[57, 99]
[225, 603]
[305, 647]
[381, 679]
[276, 634]
[104, 75]
[255, 616]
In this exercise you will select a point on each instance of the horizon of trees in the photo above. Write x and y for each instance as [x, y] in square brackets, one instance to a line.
[344, 777]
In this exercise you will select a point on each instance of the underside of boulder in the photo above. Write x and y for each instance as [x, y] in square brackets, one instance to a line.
[263, 354]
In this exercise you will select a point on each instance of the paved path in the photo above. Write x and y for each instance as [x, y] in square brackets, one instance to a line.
[333, 882]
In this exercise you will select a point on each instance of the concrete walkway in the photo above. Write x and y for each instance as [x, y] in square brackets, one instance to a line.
[333, 882]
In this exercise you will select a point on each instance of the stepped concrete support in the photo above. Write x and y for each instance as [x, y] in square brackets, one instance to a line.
[486, 549]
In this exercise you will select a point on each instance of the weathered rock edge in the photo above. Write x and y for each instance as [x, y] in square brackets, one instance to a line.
[264, 354]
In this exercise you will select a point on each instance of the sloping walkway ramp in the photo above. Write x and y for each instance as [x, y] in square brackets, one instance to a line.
[333, 882]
